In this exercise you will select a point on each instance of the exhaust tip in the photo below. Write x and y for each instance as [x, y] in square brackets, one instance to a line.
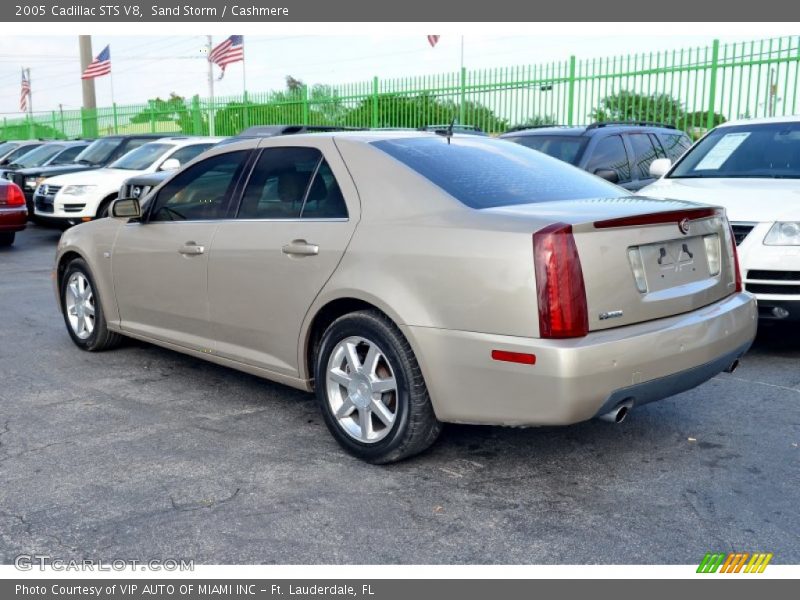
[619, 413]
[733, 366]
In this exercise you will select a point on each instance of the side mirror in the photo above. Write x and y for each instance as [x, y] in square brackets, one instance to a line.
[126, 208]
[170, 165]
[659, 167]
[607, 174]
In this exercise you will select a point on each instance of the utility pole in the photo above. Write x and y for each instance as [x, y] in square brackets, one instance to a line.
[210, 90]
[87, 86]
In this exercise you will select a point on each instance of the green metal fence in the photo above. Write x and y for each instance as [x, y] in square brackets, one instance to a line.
[693, 88]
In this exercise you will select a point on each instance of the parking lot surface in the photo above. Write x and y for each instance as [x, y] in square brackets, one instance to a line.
[143, 453]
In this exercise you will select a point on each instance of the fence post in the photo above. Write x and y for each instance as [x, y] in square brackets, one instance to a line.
[152, 119]
[304, 92]
[375, 101]
[114, 112]
[463, 95]
[571, 105]
[712, 92]
[53, 121]
[197, 117]
[246, 112]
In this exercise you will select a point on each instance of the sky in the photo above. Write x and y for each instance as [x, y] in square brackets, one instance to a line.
[146, 67]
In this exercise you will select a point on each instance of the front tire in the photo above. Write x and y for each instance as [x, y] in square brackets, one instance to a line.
[371, 391]
[83, 311]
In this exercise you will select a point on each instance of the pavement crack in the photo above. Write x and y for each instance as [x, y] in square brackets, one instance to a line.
[772, 385]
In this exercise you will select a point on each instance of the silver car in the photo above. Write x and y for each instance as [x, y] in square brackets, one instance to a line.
[411, 279]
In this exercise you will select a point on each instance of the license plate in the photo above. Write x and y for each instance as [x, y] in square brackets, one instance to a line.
[674, 262]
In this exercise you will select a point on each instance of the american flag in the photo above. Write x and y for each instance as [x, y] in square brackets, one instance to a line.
[99, 66]
[433, 40]
[227, 52]
[25, 92]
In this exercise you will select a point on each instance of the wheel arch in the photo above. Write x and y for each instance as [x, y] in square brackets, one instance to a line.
[319, 319]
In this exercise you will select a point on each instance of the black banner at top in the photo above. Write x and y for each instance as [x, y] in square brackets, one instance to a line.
[278, 11]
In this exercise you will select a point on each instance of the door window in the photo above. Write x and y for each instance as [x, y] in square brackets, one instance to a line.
[290, 183]
[201, 192]
[644, 152]
[609, 153]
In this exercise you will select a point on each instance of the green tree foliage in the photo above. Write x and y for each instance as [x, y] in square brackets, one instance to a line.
[633, 106]
[537, 121]
[172, 109]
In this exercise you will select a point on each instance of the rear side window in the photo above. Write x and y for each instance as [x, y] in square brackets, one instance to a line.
[675, 145]
[610, 154]
[568, 148]
[292, 183]
[644, 152]
[486, 173]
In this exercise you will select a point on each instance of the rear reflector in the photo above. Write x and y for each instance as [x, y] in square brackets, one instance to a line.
[559, 283]
[515, 357]
[670, 216]
[13, 195]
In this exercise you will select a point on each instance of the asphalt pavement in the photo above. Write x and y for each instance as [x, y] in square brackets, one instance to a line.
[143, 453]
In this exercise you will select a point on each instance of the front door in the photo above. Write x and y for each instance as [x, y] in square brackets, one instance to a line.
[160, 265]
[297, 215]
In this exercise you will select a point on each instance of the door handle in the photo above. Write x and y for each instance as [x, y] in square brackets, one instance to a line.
[191, 249]
[300, 248]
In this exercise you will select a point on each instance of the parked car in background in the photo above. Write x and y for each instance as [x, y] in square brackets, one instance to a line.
[13, 214]
[140, 185]
[25, 170]
[412, 278]
[96, 155]
[618, 152]
[11, 151]
[66, 200]
[752, 169]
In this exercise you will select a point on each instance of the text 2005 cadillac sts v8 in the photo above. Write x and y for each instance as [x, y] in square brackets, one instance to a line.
[412, 279]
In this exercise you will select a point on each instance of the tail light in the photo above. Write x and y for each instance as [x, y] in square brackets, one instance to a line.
[737, 271]
[559, 283]
[13, 195]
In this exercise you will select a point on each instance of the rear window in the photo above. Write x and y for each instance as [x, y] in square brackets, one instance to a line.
[568, 148]
[485, 173]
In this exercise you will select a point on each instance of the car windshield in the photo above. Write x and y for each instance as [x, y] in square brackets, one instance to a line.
[568, 148]
[98, 152]
[485, 173]
[15, 155]
[6, 147]
[766, 150]
[141, 158]
[38, 157]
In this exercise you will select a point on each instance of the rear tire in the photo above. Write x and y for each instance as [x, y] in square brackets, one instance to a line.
[7, 238]
[83, 311]
[371, 391]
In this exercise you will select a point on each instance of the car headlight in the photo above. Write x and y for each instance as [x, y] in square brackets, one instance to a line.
[786, 233]
[31, 183]
[77, 190]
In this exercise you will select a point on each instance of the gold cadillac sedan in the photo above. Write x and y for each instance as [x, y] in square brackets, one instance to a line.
[411, 279]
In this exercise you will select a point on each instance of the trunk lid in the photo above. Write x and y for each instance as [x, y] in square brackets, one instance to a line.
[644, 259]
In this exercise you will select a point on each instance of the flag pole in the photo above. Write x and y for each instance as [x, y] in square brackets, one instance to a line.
[244, 89]
[211, 127]
[31, 125]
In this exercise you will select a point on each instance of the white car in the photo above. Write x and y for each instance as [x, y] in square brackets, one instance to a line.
[87, 195]
[752, 169]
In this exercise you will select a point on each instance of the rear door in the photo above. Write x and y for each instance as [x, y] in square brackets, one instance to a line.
[297, 215]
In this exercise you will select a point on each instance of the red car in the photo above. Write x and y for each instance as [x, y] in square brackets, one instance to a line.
[13, 212]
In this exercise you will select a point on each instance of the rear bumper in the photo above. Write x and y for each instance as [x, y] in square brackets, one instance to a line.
[13, 219]
[575, 380]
